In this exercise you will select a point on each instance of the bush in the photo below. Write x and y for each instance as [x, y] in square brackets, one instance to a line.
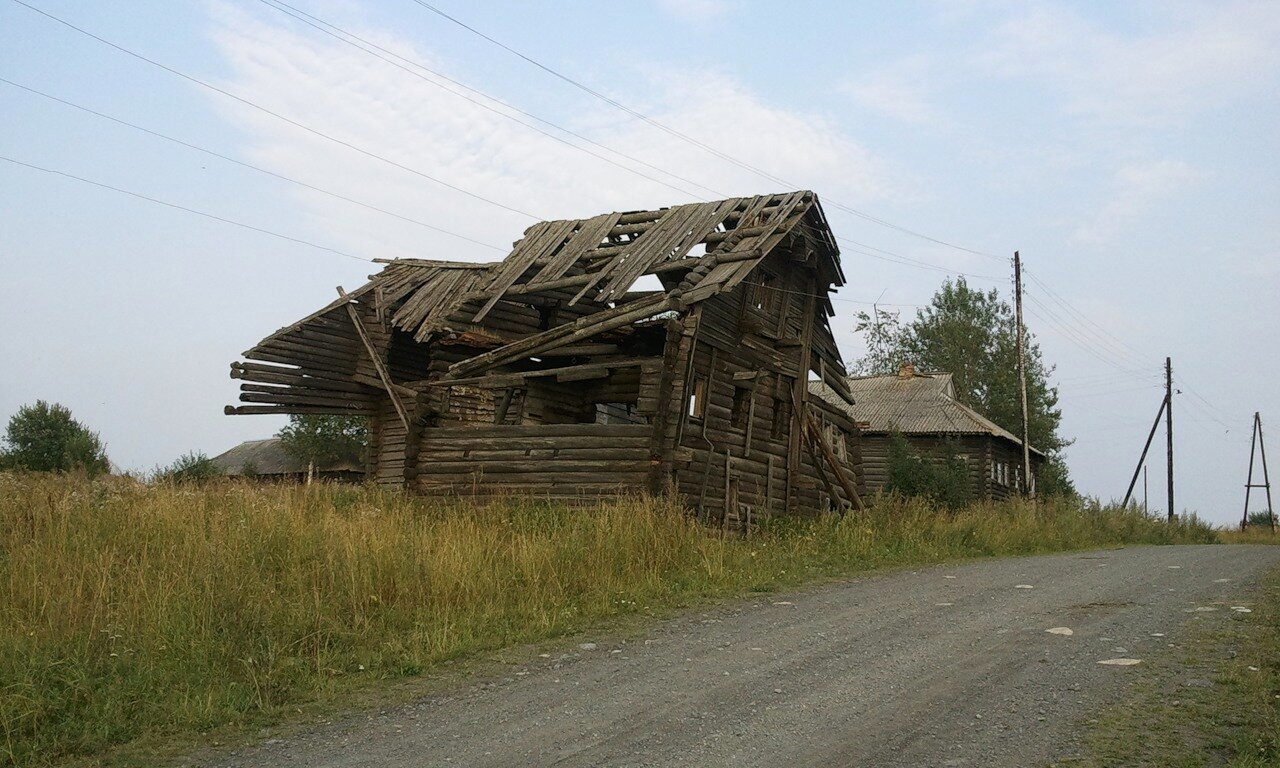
[45, 438]
[943, 480]
[191, 467]
[1260, 519]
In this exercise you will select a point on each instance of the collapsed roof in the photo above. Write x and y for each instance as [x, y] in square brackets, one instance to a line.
[573, 279]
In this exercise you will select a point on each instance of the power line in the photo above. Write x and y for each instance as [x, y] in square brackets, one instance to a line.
[342, 35]
[175, 206]
[250, 166]
[689, 139]
[277, 115]
[1068, 333]
[1104, 336]
[333, 31]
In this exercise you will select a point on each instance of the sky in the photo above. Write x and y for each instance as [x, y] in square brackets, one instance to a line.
[205, 173]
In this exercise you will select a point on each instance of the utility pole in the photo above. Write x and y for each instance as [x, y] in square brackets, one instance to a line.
[1168, 424]
[1028, 482]
[1142, 460]
[1256, 445]
[1144, 489]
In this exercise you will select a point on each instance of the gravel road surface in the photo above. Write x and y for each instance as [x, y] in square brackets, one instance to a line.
[942, 666]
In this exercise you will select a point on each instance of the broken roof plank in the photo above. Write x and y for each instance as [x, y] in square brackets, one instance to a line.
[583, 328]
[547, 236]
[589, 235]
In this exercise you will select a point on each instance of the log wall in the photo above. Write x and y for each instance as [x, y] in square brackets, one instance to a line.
[563, 461]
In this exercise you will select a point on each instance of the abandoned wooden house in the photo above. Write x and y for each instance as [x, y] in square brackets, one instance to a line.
[660, 351]
[923, 408]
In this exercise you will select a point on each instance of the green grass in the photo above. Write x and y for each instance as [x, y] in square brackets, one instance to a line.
[1231, 717]
[149, 614]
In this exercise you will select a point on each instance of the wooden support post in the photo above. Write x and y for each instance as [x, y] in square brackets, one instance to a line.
[662, 447]
[1168, 424]
[1028, 481]
[800, 392]
[850, 490]
[724, 509]
[377, 359]
[1142, 459]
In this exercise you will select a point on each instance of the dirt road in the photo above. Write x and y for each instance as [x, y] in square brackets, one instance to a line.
[944, 666]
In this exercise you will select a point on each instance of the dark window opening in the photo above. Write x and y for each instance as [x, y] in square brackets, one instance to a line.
[741, 409]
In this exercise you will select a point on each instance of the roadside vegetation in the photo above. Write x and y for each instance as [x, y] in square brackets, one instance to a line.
[156, 612]
[1214, 700]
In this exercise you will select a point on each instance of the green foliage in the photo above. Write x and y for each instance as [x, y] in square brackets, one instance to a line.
[882, 332]
[1261, 519]
[190, 467]
[1053, 480]
[45, 438]
[972, 334]
[326, 439]
[943, 479]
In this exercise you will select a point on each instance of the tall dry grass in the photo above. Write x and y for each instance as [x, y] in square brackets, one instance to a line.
[130, 611]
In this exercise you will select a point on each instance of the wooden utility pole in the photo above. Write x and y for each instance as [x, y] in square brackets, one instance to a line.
[1168, 424]
[1028, 482]
[1256, 445]
[1145, 447]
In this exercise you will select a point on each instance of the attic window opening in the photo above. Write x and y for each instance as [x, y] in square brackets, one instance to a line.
[765, 297]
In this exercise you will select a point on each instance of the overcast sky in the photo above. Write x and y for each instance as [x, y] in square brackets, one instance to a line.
[1128, 150]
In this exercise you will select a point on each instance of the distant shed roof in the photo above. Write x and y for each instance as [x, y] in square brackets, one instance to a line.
[914, 403]
[269, 457]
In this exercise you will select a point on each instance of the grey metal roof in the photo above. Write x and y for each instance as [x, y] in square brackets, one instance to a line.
[922, 403]
[268, 457]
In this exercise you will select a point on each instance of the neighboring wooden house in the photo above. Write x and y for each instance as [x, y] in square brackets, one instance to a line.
[923, 408]
[659, 351]
[268, 460]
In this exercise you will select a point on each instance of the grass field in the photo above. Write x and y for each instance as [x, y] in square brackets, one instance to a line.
[132, 612]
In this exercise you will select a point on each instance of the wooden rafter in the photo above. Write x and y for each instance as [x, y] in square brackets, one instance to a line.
[381, 367]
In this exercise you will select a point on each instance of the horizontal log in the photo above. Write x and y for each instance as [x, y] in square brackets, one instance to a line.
[541, 430]
[245, 410]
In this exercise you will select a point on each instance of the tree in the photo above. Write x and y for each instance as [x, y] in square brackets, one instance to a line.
[326, 439]
[881, 331]
[972, 334]
[45, 438]
[191, 467]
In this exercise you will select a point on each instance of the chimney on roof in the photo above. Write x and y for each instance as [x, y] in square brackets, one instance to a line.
[906, 371]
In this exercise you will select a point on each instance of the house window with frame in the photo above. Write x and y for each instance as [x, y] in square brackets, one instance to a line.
[765, 296]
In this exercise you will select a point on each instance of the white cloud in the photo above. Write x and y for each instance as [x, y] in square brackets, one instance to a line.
[899, 90]
[369, 103]
[1193, 59]
[1136, 189]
